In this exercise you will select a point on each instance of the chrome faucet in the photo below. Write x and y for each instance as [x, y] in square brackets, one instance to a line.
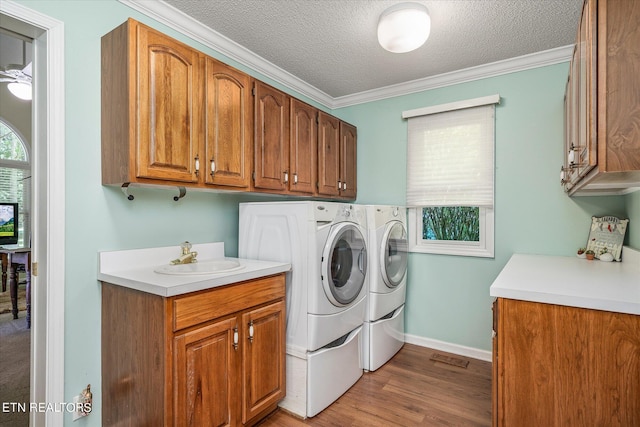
[187, 257]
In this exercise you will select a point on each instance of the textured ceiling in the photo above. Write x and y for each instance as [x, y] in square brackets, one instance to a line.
[332, 44]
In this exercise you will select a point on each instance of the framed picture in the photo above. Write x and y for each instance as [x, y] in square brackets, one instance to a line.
[607, 232]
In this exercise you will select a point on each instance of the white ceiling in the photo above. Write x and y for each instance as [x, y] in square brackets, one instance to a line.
[331, 45]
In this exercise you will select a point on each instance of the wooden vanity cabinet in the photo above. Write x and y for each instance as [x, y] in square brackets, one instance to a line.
[151, 107]
[564, 366]
[602, 105]
[215, 357]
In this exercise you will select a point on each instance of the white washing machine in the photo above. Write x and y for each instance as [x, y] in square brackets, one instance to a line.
[326, 244]
[384, 319]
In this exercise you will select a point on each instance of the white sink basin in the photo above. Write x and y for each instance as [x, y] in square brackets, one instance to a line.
[213, 266]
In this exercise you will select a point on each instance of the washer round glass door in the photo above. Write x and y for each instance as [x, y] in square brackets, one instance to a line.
[344, 264]
[393, 251]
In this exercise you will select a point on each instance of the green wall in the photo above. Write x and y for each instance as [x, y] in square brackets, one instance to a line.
[448, 297]
[633, 213]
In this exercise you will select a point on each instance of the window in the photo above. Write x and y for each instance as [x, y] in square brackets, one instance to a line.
[15, 171]
[450, 178]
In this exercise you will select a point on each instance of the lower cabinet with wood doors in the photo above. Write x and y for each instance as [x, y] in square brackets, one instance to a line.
[562, 366]
[208, 358]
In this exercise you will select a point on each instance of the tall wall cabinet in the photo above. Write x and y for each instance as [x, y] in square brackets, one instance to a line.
[209, 358]
[173, 116]
[602, 106]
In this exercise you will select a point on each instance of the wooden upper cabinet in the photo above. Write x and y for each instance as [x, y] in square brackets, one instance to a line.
[328, 155]
[151, 107]
[603, 105]
[174, 116]
[271, 146]
[303, 165]
[348, 159]
[229, 127]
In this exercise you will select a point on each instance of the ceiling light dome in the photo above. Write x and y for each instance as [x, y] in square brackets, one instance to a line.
[404, 27]
[21, 90]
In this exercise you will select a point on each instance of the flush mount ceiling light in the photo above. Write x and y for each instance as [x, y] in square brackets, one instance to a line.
[404, 27]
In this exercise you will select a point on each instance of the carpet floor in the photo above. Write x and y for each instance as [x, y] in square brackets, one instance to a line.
[15, 345]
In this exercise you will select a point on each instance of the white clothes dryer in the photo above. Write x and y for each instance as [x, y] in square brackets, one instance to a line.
[388, 259]
[326, 244]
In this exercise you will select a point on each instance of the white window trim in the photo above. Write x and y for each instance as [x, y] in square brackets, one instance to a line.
[484, 248]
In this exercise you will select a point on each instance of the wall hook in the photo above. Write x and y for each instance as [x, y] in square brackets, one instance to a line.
[183, 192]
[125, 190]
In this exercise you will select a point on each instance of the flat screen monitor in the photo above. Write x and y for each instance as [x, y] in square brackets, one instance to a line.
[8, 223]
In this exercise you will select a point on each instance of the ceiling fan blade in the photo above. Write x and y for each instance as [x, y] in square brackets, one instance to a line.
[27, 69]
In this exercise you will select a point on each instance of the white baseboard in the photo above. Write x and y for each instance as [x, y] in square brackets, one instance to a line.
[458, 349]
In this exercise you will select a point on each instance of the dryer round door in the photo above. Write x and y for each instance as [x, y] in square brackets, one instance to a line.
[344, 264]
[393, 254]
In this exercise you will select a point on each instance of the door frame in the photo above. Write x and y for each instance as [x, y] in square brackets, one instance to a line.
[48, 207]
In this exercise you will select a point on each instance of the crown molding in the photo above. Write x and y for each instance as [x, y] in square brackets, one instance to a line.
[520, 63]
[179, 21]
[184, 24]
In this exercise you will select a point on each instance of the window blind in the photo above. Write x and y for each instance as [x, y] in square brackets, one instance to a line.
[450, 158]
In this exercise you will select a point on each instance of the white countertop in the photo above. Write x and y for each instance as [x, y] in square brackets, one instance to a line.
[135, 269]
[573, 281]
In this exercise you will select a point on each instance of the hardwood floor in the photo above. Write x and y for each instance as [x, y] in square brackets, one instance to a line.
[409, 390]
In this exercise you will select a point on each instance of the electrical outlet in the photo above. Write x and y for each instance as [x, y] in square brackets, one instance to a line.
[77, 408]
[82, 403]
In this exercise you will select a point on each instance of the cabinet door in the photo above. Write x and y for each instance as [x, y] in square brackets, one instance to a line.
[170, 113]
[303, 151]
[271, 166]
[580, 365]
[205, 379]
[348, 159]
[328, 154]
[264, 359]
[586, 154]
[229, 127]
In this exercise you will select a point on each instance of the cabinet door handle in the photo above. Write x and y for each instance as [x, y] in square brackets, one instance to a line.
[344, 185]
[295, 178]
[197, 159]
[339, 185]
[235, 338]
[213, 167]
[286, 176]
[251, 331]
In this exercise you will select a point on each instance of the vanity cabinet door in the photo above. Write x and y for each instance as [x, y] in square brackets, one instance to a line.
[264, 359]
[205, 375]
[229, 127]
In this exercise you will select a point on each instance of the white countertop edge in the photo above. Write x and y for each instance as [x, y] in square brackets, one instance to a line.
[170, 285]
[110, 261]
[569, 301]
[573, 282]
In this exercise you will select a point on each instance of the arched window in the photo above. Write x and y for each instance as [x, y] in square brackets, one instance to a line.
[15, 175]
